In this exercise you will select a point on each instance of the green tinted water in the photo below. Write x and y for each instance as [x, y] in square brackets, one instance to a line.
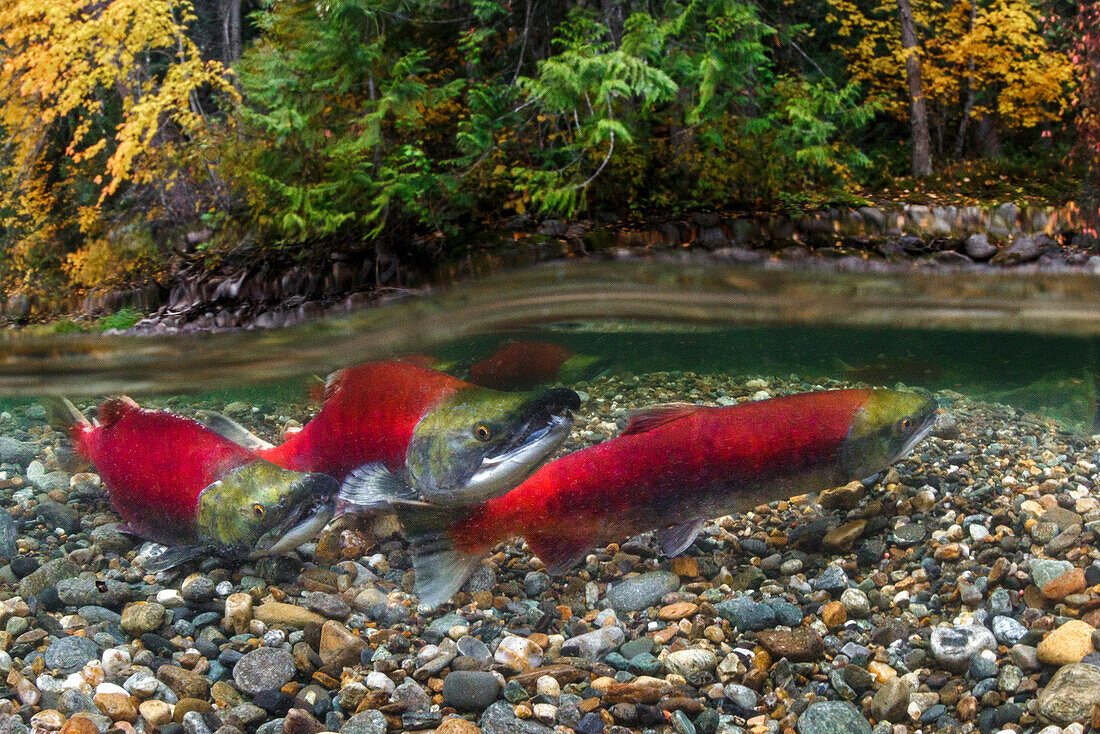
[1026, 341]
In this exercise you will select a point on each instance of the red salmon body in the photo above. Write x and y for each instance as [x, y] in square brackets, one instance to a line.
[521, 366]
[672, 465]
[368, 416]
[155, 464]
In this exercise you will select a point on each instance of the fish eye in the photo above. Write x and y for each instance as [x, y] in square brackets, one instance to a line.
[904, 425]
[258, 512]
[482, 432]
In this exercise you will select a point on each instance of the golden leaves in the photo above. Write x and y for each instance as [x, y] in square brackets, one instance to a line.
[68, 56]
[1024, 79]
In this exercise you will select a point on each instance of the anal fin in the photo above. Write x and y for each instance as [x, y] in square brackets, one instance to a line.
[228, 428]
[678, 538]
[559, 554]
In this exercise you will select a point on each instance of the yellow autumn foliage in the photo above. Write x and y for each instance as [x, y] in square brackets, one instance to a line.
[94, 93]
[1017, 75]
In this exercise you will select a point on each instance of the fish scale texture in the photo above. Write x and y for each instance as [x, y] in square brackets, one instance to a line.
[368, 416]
[647, 475]
[156, 464]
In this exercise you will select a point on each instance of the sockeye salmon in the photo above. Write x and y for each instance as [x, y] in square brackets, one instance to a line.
[526, 364]
[454, 442]
[672, 467]
[178, 483]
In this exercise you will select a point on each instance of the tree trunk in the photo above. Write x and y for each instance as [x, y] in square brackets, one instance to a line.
[971, 91]
[230, 11]
[918, 112]
[988, 137]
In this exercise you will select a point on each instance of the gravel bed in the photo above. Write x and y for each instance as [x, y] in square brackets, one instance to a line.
[959, 593]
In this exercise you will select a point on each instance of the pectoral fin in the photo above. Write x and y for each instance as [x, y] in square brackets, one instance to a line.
[677, 539]
[374, 488]
[441, 569]
[228, 428]
[62, 415]
[173, 556]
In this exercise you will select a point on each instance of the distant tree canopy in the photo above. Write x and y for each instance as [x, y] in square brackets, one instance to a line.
[295, 122]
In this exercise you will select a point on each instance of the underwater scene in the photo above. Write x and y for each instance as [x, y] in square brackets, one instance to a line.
[558, 517]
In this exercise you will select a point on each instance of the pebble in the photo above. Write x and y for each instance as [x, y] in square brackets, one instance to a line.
[856, 603]
[184, 683]
[1067, 644]
[891, 701]
[746, 614]
[339, 647]
[470, 690]
[71, 653]
[16, 452]
[690, 663]
[287, 615]
[238, 613]
[1045, 570]
[263, 669]
[953, 647]
[472, 647]
[832, 717]
[593, 645]
[832, 578]
[49, 574]
[1008, 631]
[500, 718]
[518, 653]
[1071, 694]
[643, 591]
[138, 619]
[79, 592]
[797, 645]
[156, 713]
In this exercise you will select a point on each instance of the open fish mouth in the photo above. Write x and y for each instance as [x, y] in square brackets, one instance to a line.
[308, 517]
[546, 425]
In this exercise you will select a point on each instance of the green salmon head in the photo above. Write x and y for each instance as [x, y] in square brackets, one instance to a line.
[580, 367]
[261, 509]
[886, 428]
[481, 443]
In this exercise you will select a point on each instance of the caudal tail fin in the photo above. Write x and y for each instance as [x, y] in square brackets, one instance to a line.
[62, 415]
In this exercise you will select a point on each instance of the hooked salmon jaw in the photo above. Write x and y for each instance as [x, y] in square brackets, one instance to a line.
[483, 443]
[308, 509]
[508, 468]
[300, 527]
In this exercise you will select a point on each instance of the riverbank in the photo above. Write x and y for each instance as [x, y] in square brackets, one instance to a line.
[270, 293]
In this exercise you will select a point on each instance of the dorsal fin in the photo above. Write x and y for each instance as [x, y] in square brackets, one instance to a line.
[322, 390]
[226, 427]
[649, 418]
[111, 409]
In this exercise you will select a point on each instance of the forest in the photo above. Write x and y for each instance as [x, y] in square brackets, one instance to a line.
[139, 134]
